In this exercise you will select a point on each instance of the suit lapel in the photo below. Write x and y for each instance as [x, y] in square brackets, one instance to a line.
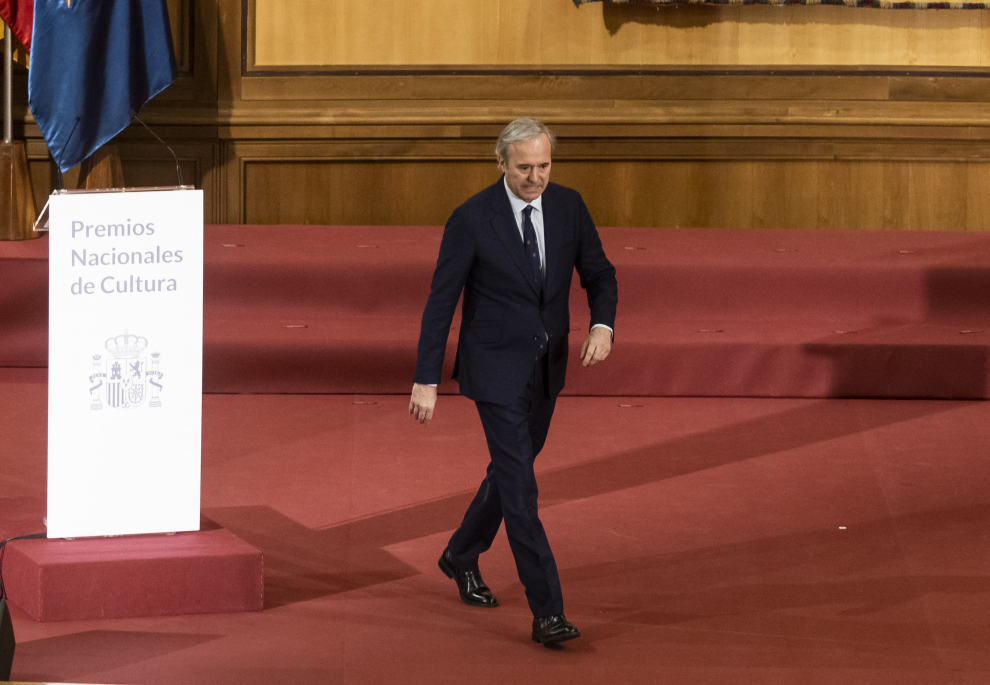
[551, 240]
[504, 224]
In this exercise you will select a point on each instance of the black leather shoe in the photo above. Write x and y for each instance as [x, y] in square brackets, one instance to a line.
[473, 590]
[553, 629]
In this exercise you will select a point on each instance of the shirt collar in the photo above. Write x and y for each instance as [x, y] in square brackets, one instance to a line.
[518, 204]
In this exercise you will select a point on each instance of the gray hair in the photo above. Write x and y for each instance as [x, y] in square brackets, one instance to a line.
[520, 131]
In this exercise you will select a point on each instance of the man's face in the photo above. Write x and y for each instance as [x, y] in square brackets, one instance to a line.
[527, 167]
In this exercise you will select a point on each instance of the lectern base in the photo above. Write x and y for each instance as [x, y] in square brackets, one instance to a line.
[204, 572]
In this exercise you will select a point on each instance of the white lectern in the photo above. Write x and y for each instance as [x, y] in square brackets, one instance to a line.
[125, 361]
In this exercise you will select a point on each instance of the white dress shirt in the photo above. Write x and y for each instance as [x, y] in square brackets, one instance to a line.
[536, 216]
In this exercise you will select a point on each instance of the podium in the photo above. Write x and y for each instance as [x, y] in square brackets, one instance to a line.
[125, 420]
[125, 362]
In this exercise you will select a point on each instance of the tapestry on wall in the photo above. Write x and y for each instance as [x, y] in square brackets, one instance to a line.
[878, 4]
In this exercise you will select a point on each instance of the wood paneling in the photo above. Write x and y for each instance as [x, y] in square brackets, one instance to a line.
[900, 195]
[731, 136]
[316, 33]
[181, 23]
[418, 193]
[144, 165]
[194, 38]
[711, 141]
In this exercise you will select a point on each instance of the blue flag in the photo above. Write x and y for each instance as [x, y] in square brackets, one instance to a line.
[94, 63]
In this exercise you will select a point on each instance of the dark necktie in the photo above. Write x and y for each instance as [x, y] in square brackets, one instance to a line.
[532, 247]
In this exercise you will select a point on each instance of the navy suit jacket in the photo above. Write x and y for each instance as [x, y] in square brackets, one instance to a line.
[507, 323]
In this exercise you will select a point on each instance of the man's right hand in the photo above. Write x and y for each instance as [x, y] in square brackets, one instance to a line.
[422, 402]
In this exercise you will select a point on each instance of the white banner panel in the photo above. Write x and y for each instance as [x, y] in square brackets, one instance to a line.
[125, 362]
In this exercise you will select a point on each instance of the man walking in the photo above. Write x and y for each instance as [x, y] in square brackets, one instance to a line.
[512, 250]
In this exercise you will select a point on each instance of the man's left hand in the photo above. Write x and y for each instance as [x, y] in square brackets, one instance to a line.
[596, 346]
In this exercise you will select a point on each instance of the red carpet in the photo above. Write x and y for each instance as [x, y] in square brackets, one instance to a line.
[758, 313]
[699, 541]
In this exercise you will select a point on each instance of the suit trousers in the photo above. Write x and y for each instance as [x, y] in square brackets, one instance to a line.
[515, 433]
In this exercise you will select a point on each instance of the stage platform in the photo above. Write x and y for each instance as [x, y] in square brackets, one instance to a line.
[702, 312]
[699, 540]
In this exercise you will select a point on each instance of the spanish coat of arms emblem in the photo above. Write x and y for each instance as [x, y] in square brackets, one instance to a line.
[125, 379]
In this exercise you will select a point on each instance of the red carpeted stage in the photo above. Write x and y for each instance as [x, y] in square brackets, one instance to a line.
[704, 312]
[762, 531]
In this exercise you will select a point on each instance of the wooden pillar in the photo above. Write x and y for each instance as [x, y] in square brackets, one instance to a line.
[102, 169]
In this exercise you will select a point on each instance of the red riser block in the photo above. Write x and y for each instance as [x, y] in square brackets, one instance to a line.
[210, 571]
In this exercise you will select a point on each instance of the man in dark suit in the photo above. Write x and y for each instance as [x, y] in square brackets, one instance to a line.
[512, 250]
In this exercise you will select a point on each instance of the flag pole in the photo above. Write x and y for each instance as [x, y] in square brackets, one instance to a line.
[17, 210]
[8, 85]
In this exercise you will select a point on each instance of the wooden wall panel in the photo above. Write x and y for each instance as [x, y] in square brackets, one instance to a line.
[149, 173]
[896, 192]
[194, 28]
[937, 195]
[316, 33]
[181, 24]
[376, 193]
[899, 195]
[145, 165]
[786, 194]
[978, 196]
[271, 137]
[863, 180]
